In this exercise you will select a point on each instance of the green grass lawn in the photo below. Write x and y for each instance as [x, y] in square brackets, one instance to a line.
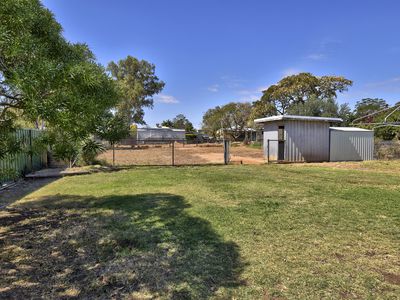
[241, 232]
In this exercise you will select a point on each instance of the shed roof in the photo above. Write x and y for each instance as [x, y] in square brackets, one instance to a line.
[349, 129]
[297, 118]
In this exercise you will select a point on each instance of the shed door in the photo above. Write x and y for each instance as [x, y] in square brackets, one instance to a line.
[281, 150]
[281, 143]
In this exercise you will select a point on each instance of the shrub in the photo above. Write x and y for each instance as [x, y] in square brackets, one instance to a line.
[387, 133]
[8, 174]
[90, 150]
[190, 137]
[387, 150]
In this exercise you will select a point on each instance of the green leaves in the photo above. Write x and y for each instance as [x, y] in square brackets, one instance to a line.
[112, 128]
[231, 118]
[43, 76]
[300, 88]
[137, 84]
[179, 122]
[90, 150]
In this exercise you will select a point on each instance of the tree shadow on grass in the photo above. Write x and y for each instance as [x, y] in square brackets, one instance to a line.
[143, 245]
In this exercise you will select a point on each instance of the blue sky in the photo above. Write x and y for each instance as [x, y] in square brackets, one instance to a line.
[211, 52]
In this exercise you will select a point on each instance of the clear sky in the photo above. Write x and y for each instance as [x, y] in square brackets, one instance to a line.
[210, 52]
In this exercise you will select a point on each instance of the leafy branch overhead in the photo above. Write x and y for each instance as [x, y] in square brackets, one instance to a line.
[44, 77]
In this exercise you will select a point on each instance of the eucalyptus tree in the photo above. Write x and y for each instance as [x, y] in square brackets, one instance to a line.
[294, 89]
[232, 118]
[179, 122]
[138, 84]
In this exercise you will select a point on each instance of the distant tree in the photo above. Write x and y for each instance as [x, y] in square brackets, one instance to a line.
[179, 122]
[317, 107]
[138, 84]
[300, 88]
[369, 106]
[381, 116]
[167, 123]
[113, 129]
[232, 118]
[261, 109]
[213, 121]
[345, 113]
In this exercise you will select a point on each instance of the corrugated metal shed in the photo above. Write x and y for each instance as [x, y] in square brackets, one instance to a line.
[311, 139]
[304, 139]
[351, 144]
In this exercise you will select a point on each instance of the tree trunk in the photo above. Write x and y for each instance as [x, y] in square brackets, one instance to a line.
[113, 147]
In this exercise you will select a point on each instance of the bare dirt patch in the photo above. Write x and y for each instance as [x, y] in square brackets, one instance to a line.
[184, 155]
[392, 278]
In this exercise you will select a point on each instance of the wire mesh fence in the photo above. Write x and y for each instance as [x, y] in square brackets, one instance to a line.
[179, 153]
[163, 152]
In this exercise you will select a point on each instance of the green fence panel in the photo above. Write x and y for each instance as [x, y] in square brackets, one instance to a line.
[22, 163]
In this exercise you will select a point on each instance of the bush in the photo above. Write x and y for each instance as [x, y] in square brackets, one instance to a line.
[387, 150]
[8, 174]
[190, 137]
[387, 133]
[90, 150]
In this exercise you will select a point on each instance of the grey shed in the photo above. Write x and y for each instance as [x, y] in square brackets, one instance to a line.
[291, 138]
[351, 144]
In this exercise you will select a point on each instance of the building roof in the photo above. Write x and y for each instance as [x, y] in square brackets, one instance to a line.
[160, 129]
[297, 118]
[349, 129]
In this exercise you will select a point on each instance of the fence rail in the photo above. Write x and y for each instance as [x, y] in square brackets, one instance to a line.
[23, 162]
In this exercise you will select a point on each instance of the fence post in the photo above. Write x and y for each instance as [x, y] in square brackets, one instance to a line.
[226, 151]
[268, 151]
[173, 153]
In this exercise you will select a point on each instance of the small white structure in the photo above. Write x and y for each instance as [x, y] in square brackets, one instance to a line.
[351, 144]
[149, 134]
[289, 138]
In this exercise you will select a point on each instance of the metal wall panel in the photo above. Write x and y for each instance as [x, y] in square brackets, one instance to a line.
[351, 145]
[271, 133]
[306, 141]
